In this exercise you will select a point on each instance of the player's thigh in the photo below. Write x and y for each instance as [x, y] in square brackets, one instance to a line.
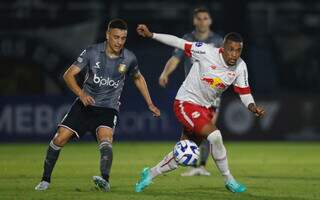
[186, 135]
[103, 122]
[215, 116]
[207, 129]
[208, 126]
[76, 120]
[62, 136]
[203, 123]
[183, 112]
[196, 120]
[104, 134]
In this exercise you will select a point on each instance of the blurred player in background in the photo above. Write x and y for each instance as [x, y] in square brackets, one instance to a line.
[97, 104]
[202, 33]
[213, 71]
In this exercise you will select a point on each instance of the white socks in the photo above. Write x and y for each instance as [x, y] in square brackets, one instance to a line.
[167, 164]
[217, 150]
[219, 154]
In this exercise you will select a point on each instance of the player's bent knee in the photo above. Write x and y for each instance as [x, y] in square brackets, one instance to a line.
[57, 140]
[62, 136]
[215, 136]
[104, 134]
[207, 129]
[218, 150]
[173, 164]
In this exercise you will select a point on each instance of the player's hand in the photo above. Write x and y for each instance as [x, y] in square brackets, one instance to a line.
[155, 111]
[143, 30]
[86, 99]
[163, 80]
[257, 110]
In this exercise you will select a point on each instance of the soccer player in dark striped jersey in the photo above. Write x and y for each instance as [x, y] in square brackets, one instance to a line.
[96, 107]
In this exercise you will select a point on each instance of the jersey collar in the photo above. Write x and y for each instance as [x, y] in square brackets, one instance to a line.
[221, 58]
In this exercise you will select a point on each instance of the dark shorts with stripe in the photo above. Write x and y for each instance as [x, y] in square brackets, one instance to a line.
[82, 119]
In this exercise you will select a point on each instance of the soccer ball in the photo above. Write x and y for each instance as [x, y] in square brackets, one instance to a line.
[186, 153]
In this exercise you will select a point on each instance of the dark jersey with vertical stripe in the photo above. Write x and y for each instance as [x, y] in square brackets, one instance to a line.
[105, 76]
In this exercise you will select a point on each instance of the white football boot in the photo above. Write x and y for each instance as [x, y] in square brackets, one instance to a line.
[101, 184]
[196, 171]
[43, 185]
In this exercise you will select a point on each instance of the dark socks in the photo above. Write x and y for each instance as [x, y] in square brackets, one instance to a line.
[106, 157]
[50, 161]
[204, 152]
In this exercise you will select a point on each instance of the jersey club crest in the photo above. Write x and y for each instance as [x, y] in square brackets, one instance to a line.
[122, 68]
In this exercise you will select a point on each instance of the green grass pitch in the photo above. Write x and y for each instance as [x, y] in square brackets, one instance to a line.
[276, 170]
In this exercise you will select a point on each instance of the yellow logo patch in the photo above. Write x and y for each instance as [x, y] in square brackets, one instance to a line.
[122, 68]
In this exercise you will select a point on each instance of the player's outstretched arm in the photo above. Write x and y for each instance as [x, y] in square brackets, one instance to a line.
[167, 39]
[141, 84]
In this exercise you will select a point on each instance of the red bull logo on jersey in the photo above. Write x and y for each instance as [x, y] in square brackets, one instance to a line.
[214, 83]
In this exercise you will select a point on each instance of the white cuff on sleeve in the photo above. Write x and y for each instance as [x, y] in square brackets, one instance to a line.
[247, 99]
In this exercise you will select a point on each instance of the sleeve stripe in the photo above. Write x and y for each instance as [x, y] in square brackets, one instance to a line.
[240, 90]
[187, 49]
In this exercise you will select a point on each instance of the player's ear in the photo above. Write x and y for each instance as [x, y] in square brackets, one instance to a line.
[107, 35]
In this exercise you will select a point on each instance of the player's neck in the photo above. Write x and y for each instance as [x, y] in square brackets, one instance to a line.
[202, 35]
[111, 53]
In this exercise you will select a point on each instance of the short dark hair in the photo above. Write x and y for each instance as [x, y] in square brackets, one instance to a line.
[233, 36]
[200, 10]
[117, 23]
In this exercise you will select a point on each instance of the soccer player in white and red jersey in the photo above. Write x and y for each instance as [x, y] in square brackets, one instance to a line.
[213, 71]
[202, 32]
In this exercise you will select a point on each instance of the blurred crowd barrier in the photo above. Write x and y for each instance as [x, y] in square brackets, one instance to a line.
[40, 39]
[288, 118]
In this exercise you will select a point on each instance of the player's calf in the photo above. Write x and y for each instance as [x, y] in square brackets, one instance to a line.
[219, 154]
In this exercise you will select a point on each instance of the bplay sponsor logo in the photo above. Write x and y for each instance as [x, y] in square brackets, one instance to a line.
[105, 82]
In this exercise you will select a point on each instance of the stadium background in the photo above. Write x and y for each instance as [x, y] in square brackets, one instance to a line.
[40, 39]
